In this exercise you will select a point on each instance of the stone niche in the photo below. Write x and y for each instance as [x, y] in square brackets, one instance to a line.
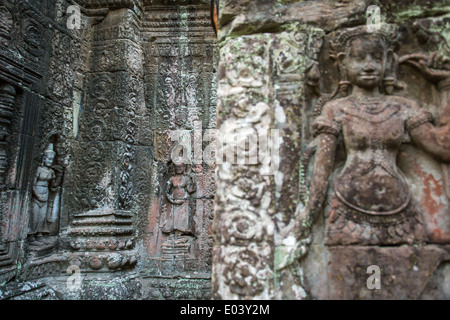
[357, 205]
[91, 114]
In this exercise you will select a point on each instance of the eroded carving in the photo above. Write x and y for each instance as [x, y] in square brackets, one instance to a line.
[178, 193]
[371, 201]
[7, 95]
[89, 87]
[6, 21]
[47, 179]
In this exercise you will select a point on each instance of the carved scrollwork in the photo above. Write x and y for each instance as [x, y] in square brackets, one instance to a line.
[32, 36]
[241, 227]
[7, 97]
[246, 271]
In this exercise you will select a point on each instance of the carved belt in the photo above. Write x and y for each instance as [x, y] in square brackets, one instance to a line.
[373, 212]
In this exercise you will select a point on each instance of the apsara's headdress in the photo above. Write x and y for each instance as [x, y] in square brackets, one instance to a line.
[387, 32]
[49, 150]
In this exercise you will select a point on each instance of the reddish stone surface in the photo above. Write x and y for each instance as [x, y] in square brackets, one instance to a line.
[428, 179]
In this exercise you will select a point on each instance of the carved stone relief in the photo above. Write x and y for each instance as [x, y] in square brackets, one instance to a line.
[360, 175]
[102, 230]
[349, 105]
[256, 203]
[22, 38]
[7, 21]
[179, 85]
[7, 110]
[370, 202]
[112, 118]
[45, 207]
[7, 96]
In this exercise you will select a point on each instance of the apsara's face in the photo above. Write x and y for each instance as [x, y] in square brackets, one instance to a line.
[179, 168]
[48, 160]
[365, 62]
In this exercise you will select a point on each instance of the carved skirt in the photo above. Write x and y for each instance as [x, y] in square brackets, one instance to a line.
[347, 226]
[177, 218]
[38, 217]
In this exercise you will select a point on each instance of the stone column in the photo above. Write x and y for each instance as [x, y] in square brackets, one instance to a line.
[262, 90]
[111, 149]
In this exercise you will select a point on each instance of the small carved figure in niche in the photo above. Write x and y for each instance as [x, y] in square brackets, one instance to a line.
[190, 93]
[44, 181]
[179, 189]
[170, 93]
[372, 203]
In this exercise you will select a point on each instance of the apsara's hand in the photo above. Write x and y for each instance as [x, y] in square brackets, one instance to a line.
[435, 67]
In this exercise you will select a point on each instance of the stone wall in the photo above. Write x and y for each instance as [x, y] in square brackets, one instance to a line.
[111, 97]
[41, 61]
[110, 169]
[180, 79]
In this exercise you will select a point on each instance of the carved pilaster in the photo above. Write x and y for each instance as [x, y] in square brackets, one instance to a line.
[262, 91]
[7, 95]
[109, 127]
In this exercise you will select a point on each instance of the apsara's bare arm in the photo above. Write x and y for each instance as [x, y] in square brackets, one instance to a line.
[433, 139]
[319, 184]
